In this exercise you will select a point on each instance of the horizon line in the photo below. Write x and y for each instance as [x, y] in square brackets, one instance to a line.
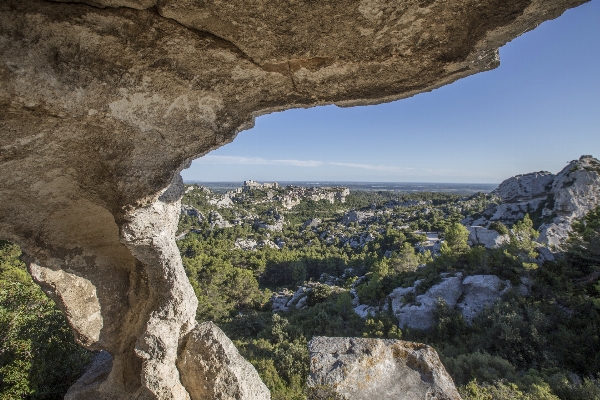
[343, 181]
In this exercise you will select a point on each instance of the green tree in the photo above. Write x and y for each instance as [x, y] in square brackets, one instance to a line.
[407, 259]
[38, 356]
[455, 239]
[522, 242]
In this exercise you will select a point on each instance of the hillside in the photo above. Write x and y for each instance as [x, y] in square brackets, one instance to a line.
[391, 265]
[511, 314]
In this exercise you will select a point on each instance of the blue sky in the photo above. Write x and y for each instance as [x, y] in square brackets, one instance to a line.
[537, 111]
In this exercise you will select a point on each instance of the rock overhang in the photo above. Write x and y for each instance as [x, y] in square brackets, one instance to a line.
[102, 104]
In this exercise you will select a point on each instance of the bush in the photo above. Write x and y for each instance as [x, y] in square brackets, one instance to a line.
[499, 227]
[323, 393]
[38, 356]
[318, 294]
[479, 366]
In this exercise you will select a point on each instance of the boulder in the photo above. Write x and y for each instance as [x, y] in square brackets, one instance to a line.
[280, 300]
[419, 314]
[489, 238]
[480, 291]
[369, 369]
[212, 368]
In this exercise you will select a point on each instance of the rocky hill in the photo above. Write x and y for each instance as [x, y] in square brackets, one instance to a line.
[104, 102]
[553, 201]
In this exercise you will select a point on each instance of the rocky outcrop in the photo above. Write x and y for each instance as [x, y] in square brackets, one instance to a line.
[245, 244]
[104, 102]
[520, 195]
[284, 300]
[554, 201]
[367, 369]
[280, 300]
[420, 313]
[223, 201]
[312, 223]
[276, 225]
[293, 195]
[217, 221]
[192, 212]
[212, 368]
[488, 238]
[480, 291]
[575, 191]
[469, 296]
[525, 187]
[357, 216]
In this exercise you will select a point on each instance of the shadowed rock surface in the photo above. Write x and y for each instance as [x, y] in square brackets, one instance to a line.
[367, 369]
[103, 103]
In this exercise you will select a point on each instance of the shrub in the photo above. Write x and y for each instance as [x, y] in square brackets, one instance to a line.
[499, 227]
[38, 356]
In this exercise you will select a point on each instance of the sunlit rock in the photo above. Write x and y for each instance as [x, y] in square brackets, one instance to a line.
[103, 103]
[367, 369]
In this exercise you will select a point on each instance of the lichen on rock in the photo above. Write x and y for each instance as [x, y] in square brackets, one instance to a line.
[366, 369]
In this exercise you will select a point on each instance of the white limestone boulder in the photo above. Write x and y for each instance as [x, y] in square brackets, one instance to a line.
[212, 368]
[478, 235]
[420, 313]
[480, 291]
[373, 369]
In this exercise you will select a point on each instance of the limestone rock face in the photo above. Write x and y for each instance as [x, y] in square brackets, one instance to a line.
[103, 103]
[212, 368]
[525, 187]
[474, 292]
[486, 237]
[480, 291]
[367, 369]
[556, 200]
[96, 372]
[575, 191]
[420, 314]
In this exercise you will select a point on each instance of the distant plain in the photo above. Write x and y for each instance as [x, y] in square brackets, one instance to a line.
[401, 187]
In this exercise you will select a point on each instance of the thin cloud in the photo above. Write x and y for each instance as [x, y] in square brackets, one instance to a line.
[240, 160]
[391, 170]
[213, 159]
[210, 159]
